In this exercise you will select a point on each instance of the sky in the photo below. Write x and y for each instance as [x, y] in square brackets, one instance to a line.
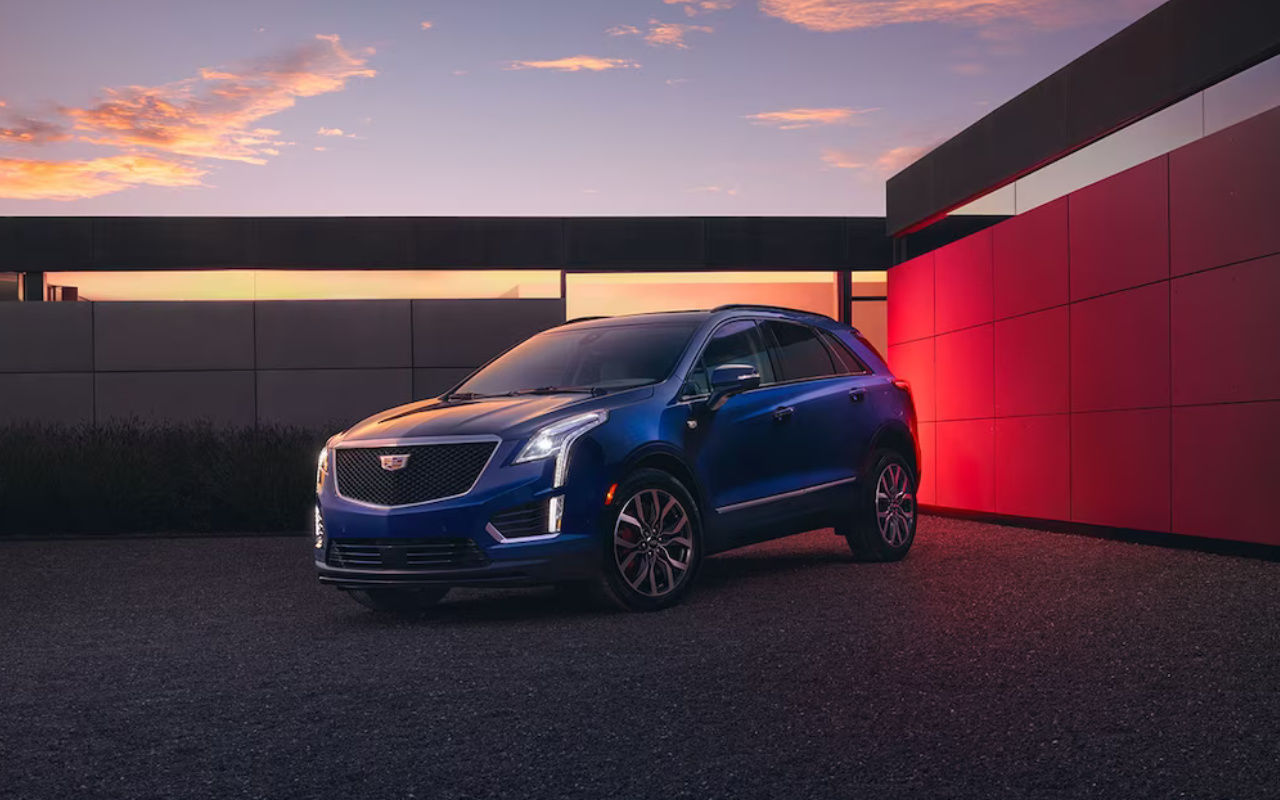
[505, 107]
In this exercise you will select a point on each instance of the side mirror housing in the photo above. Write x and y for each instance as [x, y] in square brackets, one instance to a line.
[729, 379]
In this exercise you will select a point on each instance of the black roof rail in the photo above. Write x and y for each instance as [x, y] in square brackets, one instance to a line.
[638, 314]
[766, 307]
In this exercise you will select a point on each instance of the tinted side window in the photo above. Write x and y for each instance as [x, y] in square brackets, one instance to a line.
[845, 359]
[737, 342]
[800, 353]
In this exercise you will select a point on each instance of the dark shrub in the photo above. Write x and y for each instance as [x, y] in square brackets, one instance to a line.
[133, 478]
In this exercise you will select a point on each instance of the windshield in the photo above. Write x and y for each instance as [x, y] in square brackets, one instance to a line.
[584, 359]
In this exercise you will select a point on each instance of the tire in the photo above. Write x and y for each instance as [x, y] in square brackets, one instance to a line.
[403, 602]
[652, 537]
[884, 518]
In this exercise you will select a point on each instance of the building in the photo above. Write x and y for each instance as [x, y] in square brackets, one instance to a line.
[1110, 354]
[322, 321]
[1083, 293]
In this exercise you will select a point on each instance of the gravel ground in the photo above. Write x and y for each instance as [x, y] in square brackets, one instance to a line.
[993, 662]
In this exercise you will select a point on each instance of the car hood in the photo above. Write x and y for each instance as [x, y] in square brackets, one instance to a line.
[504, 416]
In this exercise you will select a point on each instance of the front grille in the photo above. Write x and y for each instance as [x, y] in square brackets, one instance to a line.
[529, 519]
[432, 472]
[404, 554]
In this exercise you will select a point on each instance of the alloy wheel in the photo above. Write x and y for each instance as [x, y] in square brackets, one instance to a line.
[895, 505]
[652, 543]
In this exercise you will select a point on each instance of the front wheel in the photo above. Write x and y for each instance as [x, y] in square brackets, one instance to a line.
[405, 602]
[653, 543]
[884, 521]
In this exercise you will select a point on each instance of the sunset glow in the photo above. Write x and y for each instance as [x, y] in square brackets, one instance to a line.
[274, 284]
[494, 108]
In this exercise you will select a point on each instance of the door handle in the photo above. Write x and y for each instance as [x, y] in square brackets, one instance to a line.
[857, 395]
[783, 412]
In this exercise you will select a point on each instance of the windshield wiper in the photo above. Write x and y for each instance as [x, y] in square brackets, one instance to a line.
[591, 390]
[466, 396]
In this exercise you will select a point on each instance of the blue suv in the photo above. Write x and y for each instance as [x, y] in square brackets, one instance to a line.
[613, 454]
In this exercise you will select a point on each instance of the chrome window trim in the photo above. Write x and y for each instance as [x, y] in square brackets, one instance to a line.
[775, 349]
[691, 399]
[702, 349]
[833, 342]
[414, 441]
[759, 501]
[681, 400]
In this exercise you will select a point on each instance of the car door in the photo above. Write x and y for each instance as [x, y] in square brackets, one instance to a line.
[735, 449]
[823, 399]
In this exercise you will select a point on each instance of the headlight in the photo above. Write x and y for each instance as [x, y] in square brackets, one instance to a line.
[556, 439]
[322, 469]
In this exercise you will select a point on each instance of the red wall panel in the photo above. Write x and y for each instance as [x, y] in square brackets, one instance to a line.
[913, 362]
[927, 493]
[966, 465]
[1226, 459]
[1109, 390]
[1226, 333]
[1120, 469]
[1119, 231]
[1120, 350]
[1032, 364]
[1033, 466]
[964, 379]
[1225, 195]
[910, 292]
[1029, 260]
[962, 283]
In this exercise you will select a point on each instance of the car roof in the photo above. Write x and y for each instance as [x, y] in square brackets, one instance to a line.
[699, 316]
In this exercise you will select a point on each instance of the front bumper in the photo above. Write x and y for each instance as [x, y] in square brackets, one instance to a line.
[563, 566]
[571, 554]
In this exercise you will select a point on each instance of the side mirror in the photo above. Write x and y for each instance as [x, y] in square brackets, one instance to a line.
[729, 379]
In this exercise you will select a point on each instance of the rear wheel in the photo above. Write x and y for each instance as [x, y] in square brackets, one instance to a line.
[884, 520]
[653, 543]
[407, 602]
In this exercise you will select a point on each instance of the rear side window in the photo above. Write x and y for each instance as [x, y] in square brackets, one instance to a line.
[847, 361]
[737, 342]
[865, 342]
[801, 354]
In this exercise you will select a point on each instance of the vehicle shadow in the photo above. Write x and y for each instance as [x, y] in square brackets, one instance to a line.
[732, 568]
[719, 574]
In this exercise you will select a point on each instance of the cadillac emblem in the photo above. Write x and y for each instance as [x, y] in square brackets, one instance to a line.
[394, 462]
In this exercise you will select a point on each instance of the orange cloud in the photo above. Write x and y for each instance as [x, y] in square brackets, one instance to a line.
[794, 118]
[671, 34]
[842, 159]
[25, 130]
[336, 132]
[577, 64]
[661, 34]
[26, 179]
[695, 7]
[426, 26]
[845, 15]
[889, 162]
[214, 115]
